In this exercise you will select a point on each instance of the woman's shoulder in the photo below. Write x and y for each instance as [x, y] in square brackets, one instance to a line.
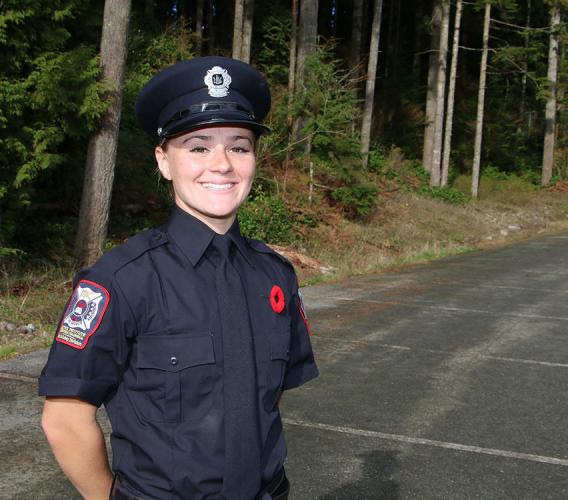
[263, 250]
[131, 250]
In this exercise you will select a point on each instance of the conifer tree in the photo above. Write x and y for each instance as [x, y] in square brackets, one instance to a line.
[101, 155]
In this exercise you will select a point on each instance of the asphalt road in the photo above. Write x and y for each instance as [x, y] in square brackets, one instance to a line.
[442, 381]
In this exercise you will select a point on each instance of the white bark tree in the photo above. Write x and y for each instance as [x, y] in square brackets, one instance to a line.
[551, 101]
[451, 95]
[307, 35]
[435, 169]
[238, 28]
[370, 83]
[101, 153]
[432, 86]
[480, 104]
[247, 30]
[199, 27]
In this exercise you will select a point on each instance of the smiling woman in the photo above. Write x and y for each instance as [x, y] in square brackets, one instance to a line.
[211, 170]
[188, 333]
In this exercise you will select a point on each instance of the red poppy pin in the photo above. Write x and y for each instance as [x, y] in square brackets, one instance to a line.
[277, 300]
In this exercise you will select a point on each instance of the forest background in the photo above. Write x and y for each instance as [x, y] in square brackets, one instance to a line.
[401, 131]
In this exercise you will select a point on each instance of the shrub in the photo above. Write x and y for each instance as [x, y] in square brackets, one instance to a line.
[447, 194]
[265, 217]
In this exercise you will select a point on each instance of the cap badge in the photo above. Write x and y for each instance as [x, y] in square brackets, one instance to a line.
[217, 80]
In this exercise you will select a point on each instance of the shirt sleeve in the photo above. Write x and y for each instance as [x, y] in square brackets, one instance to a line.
[91, 345]
[301, 366]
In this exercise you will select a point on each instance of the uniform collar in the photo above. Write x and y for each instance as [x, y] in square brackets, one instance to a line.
[193, 236]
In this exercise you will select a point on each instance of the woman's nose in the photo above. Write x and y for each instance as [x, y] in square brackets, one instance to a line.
[221, 161]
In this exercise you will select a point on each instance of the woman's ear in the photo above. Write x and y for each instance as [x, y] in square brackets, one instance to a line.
[163, 163]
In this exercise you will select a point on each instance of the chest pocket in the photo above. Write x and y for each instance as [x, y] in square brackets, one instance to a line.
[279, 343]
[175, 376]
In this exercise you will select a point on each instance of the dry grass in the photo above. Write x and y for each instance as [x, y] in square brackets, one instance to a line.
[34, 296]
[408, 228]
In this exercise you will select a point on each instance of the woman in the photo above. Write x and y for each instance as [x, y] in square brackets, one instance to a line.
[187, 333]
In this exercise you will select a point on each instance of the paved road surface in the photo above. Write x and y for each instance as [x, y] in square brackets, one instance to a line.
[444, 381]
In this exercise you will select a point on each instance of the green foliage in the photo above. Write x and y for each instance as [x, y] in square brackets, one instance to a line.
[274, 53]
[50, 97]
[447, 194]
[265, 217]
[359, 199]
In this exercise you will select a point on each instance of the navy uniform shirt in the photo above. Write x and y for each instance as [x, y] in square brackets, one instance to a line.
[142, 335]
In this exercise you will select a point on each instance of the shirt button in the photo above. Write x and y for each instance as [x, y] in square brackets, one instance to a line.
[173, 360]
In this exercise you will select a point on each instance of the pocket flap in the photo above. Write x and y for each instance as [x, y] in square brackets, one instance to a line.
[173, 353]
[280, 345]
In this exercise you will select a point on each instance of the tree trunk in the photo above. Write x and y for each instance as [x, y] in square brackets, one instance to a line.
[522, 107]
[292, 72]
[550, 113]
[451, 94]
[435, 171]
[432, 86]
[238, 28]
[307, 44]
[356, 34]
[480, 104]
[211, 27]
[247, 30]
[417, 42]
[307, 35]
[199, 27]
[293, 50]
[149, 10]
[370, 84]
[184, 12]
[101, 154]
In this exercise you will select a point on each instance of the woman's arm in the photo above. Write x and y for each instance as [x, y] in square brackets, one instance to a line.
[78, 444]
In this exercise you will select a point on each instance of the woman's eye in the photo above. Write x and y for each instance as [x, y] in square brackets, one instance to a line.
[240, 149]
[198, 149]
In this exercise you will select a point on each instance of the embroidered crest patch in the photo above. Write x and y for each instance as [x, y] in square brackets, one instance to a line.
[83, 315]
[277, 300]
[217, 80]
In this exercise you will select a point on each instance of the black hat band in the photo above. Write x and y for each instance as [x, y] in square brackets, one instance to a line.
[205, 107]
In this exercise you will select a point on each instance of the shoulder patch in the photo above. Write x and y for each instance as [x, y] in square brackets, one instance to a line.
[83, 315]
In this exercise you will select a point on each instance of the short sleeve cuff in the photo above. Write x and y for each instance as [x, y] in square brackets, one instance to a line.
[299, 375]
[86, 390]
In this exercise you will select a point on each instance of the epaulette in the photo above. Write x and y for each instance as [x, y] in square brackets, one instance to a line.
[136, 246]
[262, 247]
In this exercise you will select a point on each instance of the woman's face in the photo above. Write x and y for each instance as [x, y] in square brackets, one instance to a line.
[211, 170]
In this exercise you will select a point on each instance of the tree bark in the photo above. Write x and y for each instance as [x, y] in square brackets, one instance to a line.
[551, 101]
[293, 50]
[211, 27]
[451, 94]
[101, 154]
[199, 27]
[370, 84]
[238, 28]
[522, 107]
[307, 35]
[432, 86]
[356, 34]
[417, 42]
[247, 30]
[149, 10]
[480, 104]
[435, 171]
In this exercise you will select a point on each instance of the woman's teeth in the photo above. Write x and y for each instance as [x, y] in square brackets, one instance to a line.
[217, 187]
